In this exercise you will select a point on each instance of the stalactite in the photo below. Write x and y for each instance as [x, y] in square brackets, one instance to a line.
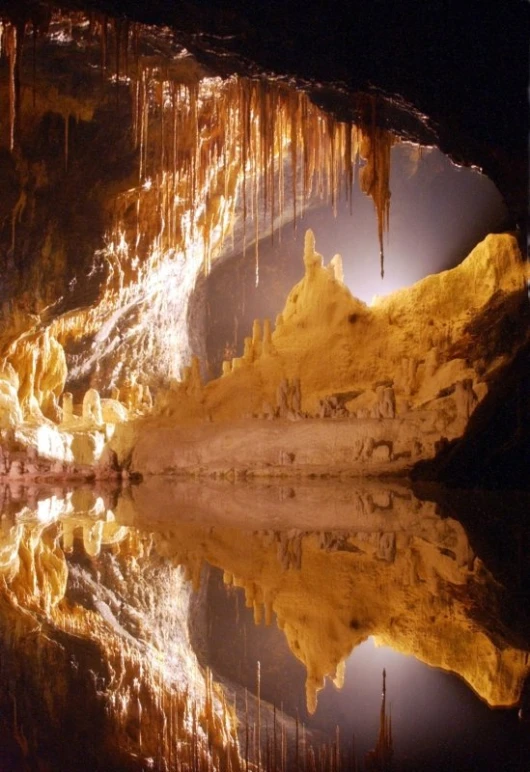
[34, 67]
[117, 43]
[294, 155]
[211, 150]
[208, 151]
[104, 40]
[12, 46]
[66, 140]
[375, 147]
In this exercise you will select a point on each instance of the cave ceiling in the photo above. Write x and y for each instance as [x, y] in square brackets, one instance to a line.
[456, 82]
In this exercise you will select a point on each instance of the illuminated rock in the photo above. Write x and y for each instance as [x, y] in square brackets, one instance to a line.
[113, 411]
[156, 699]
[257, 341]
[68, 407]
[267, 347]
[336, 268]
[107, 467]
[131, 393]
[359, 366]
[10, 411]
[92, 412]
[376, 561]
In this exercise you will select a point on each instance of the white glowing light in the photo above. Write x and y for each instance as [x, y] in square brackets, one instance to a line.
[61, 37]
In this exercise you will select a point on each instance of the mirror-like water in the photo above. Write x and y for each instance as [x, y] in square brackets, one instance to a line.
[438, 723]
[179, 625]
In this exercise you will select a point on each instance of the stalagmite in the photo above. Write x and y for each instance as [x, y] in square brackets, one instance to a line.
[92, 407]
[256, 331]
[267, 337]
[312, 260]
[337, 268]
[248, 350]
[296, 396]
[68, 406]
[208, 150]
[257, 342]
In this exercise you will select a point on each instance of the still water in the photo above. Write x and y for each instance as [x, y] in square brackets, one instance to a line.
[199, 625]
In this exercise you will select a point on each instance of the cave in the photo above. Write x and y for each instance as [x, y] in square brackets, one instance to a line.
[264, 386]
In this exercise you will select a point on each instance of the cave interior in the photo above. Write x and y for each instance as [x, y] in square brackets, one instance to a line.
[264, 356]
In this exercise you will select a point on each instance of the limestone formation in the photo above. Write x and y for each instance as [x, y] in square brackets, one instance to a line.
[465, 398]
[147, 397]
[194, 384]
[282, 398]
[268, 412]
[336, 268]
[407, 374]
[68, 407]
[4, 460]
[10, 410]
[388, 403]
[257, 341]
[248, 352]
[267, 337]
[296, 396]
[131, 393]
[431, 363]
[107, 467]
[324, 337]
[16, 470]
[92, 412]
[113, 411]
[332, 407]
[312, 260]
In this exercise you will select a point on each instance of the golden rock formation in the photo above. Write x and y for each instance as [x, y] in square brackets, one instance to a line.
[208, 152]
[337, 564]
[143, 694]
[333, 564]
[388, 375]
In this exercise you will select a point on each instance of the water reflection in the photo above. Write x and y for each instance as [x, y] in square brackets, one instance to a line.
[109, 637]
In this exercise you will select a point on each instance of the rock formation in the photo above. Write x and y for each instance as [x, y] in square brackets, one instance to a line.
[105, 582]
[393, 396]
[142, 693]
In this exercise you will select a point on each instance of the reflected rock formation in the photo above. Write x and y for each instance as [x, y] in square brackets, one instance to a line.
[95, 647]
[100, 597]
[342, 562]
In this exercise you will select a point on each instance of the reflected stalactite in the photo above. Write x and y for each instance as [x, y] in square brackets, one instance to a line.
[380, 758]
[137, 705]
